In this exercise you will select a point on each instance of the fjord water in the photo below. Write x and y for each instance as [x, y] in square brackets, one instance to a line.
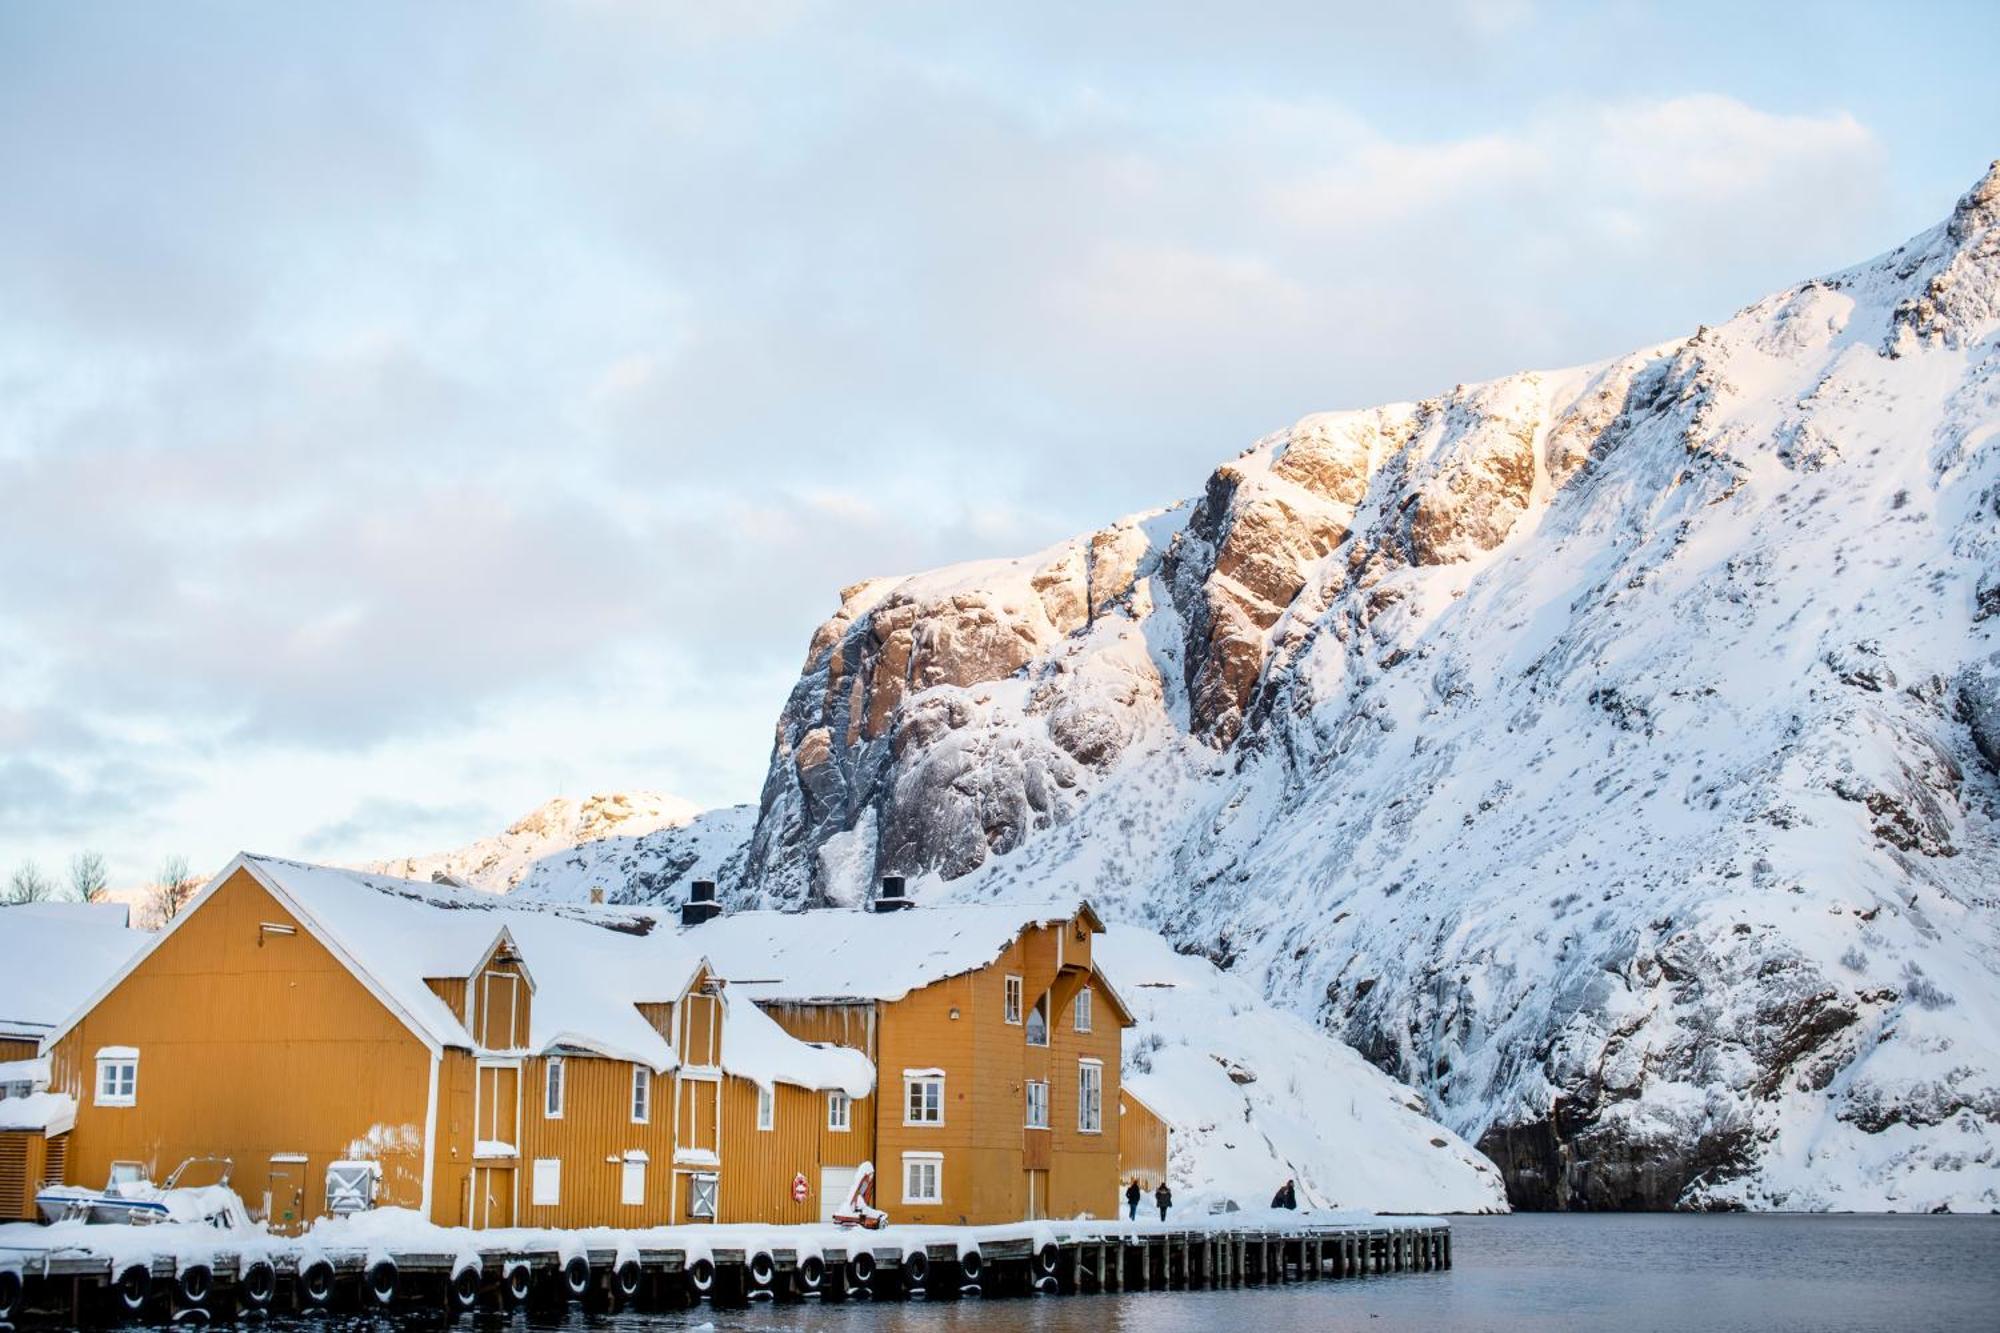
[1630, 1271]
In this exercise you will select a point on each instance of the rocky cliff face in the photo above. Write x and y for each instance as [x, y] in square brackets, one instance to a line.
[1610, 754]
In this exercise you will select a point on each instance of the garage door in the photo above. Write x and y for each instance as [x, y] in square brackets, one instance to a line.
[835, 1183]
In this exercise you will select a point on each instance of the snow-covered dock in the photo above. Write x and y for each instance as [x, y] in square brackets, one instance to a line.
[72, 1273]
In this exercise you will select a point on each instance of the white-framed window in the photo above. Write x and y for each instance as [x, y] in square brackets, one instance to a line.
[839, 1111]
[1013, 1013]
[552, 1088]
[1038, 1103]
[1083, 1010]
[923, 1098]
[1038, 1022]
[117, 1076]
[1089, 1097]
[548, 1182]
[767, 1107]
[642, 1094]
[632, 1180]
[923, 1177]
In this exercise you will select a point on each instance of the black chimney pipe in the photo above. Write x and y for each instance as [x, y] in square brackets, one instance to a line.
[893, 897]
[701, 905]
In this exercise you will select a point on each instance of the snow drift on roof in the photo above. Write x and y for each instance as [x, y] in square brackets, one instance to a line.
[836, 953]
[54, 956]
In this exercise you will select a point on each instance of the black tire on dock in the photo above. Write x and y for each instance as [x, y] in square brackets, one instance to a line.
[315, 1285]
[761, 1270]
[257, 1285]
[193, 1285]
[811, 1274]
[916, 1270]
[1047, 1259]
[576, 1276]
[378, 1287]
[627, 1278]
[132, 1289]
[517, 1283]
[701, 1277]
[461, 1294]
[10, 1294]
[969, 1266]
[861, 1270]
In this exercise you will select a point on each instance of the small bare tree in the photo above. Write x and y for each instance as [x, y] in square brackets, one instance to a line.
[29, 885]
[172, 887]
[87, 876]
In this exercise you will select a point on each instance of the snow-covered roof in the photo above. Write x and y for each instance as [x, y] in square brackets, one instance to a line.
[851, 954]
[24, 1071]
[756, 1048]
[588, 969]
[53, 956]
[49, 1112]
[587, 975]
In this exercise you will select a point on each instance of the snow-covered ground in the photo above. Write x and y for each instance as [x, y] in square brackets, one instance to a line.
[1257, 1096]
[385, 1232]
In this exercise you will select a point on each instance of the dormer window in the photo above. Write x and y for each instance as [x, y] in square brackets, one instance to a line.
[1038, 1022]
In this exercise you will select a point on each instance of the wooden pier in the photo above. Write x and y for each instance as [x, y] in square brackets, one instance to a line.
[75, 1286]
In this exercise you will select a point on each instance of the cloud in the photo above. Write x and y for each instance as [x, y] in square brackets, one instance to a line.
[403, 401]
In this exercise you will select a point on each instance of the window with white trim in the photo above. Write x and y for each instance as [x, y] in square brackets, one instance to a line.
[923, 1099]
[552, 1088]
[767, 1108]
[642, 1094]
[548, 1182]
[117, 1077]
[1082, 1015]
[1038, 1103]
[1038, 1022]
[1089, 1097]
[1013, 1008]
[839, 1111]
[923, 1177]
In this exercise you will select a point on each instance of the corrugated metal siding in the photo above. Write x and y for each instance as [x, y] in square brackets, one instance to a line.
[595, 1128]
[18, 1048]
[760, 1165]
[250, 1045]
[1142, 1143]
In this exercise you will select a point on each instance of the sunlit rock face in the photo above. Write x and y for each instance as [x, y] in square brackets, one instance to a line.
[1608, 753]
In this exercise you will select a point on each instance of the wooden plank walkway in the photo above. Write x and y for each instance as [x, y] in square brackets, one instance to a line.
[73, 1287]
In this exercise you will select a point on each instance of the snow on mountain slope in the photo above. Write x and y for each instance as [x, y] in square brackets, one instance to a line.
[1257, 1096]
[1610, 754]
[639, 847]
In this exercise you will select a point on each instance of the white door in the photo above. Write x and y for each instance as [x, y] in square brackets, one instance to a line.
[835, 1184]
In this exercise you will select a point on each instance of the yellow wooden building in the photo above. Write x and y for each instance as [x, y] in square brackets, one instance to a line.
[1142, 1142]
[352, 1040]
[995, 1038]
[52, 955]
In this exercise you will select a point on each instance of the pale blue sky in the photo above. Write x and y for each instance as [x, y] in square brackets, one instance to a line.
[409, 415]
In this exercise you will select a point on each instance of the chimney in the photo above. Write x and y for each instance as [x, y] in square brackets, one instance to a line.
[893, 898]
[701, 905]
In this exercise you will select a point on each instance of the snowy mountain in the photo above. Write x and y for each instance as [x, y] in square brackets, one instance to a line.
[636, 846]
[1608, 753]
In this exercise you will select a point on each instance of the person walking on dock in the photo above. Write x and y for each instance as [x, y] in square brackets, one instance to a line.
[1132, 1196]
[1163, 1197]
[1286, 1197]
